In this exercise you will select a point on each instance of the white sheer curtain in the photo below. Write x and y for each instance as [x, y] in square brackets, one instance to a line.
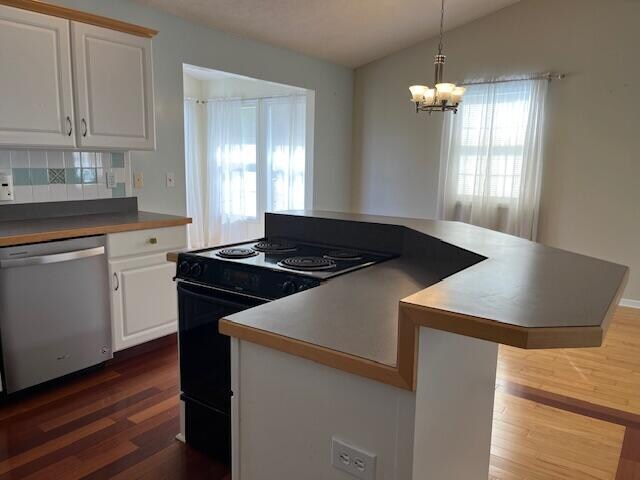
[491, 157]
[252, 160]
[285, 129]
[232, 170]
[197, 230]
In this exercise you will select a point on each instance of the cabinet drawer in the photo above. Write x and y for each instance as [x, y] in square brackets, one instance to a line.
[141, 242]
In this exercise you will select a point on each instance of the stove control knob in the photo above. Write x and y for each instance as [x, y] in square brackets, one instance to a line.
[196, 270]
[184, 267]
[289, 287]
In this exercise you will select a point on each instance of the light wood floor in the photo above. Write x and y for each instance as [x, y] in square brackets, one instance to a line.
[609, 375]
[559, 415]
[533, 440]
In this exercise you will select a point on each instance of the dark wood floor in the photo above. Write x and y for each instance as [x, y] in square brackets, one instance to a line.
[118, 422]
[559, 415]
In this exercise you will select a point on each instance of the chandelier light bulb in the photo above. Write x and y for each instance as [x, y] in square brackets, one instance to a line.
[456, 95]
[430, 96]
[444, 91]
[417, 92]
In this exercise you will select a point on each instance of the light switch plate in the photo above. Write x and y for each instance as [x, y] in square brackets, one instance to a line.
[138, 180]
[111, 179]
[171, 180]
[6, 186]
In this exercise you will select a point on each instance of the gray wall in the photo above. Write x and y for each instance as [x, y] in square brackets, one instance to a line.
[182, 42]
[591, 184]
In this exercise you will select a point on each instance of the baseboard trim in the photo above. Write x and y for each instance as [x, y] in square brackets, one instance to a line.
[627, 302]
[170, 340]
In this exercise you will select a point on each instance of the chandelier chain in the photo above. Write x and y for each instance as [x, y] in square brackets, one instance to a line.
[441, 28]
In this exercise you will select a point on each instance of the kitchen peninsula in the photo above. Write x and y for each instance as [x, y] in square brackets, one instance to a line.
[399, 359]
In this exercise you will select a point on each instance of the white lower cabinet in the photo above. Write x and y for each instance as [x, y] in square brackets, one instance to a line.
[144, 302]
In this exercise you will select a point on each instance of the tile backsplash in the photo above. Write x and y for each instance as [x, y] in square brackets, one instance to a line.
[53, 175]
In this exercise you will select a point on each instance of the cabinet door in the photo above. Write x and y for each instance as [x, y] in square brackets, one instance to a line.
[35, 80]
[144, 302]
[114, 89]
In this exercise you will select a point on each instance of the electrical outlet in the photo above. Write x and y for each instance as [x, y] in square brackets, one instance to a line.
[353, 460]
[171, 180]
[138, 180]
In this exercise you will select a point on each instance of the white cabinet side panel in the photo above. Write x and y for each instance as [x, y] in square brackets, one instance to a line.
[454, 406]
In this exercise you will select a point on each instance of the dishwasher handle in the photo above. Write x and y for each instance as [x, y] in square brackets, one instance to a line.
[55, 258]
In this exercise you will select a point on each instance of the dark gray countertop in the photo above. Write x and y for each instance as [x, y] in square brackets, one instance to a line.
[521, 288]
[356, 313]
[19, 232]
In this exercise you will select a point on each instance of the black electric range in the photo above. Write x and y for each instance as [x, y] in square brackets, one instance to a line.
[272, 268]
[214, 283]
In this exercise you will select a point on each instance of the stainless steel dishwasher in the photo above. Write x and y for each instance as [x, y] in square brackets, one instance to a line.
[54, 310]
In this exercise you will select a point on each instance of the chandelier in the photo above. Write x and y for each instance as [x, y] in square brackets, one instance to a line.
[444, 96]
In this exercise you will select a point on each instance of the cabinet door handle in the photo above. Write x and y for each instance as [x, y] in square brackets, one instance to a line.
[153, 241]
[115, 277]
[84, 127]
[69, 126]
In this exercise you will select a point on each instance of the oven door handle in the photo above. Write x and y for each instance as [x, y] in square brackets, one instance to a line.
[182, 289]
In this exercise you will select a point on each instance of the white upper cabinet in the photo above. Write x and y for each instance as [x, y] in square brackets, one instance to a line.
[69, 84]
[114, 89]
[36, 101]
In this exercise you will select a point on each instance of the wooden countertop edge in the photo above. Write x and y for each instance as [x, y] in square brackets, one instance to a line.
[326, 356]
[504, 333]
[80, 16]
[23, 239]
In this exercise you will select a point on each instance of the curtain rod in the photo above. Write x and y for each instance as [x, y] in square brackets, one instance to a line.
[197, 100]
[536, 76]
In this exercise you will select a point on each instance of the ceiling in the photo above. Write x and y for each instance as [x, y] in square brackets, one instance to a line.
[201, 73]
[207, 74]
[348, 32]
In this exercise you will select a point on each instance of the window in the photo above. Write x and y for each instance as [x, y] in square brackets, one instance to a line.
[492, 140]
[491, 157]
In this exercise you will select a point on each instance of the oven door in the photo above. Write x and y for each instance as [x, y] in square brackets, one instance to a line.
[205, 361]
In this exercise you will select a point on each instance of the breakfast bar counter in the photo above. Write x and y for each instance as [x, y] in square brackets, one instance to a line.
[449, 276]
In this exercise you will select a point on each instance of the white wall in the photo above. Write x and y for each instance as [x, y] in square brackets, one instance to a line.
[289, 408]
[182, 42]
[591, 194]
